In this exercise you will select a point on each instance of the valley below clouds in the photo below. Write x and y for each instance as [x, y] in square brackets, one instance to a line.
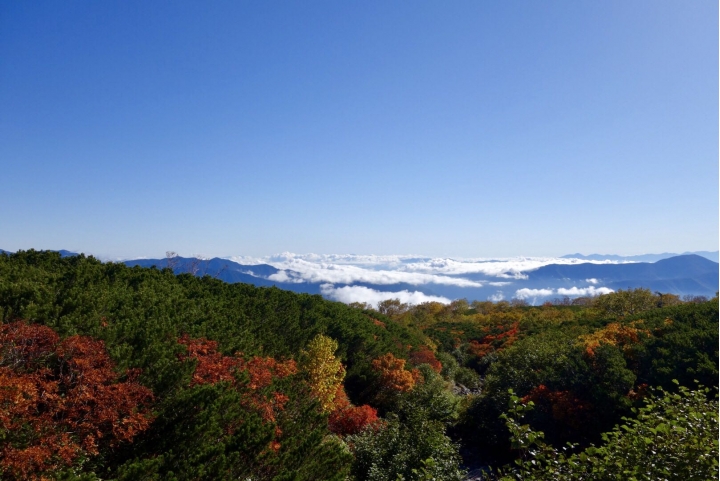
[415, 279]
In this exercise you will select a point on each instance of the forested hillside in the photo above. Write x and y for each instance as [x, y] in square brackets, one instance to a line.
[113, 372]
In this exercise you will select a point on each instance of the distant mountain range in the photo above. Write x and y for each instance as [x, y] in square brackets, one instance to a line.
[685, 274]
[225, 270]
[713, 256]
[417, 279]
[689, 274]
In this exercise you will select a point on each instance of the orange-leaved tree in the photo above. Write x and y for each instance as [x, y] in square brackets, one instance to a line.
[615, 334]
[61, 401]
[503, 338]
[392, 374]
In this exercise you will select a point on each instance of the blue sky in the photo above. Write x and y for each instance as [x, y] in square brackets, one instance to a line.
[466, 129]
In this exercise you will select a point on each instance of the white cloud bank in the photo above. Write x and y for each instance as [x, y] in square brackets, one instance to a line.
[304, 271]
[572, 292]
[533, 293]
[394, 269]
[330, 270]
[584, 291]
[349, 294]
[497, 297]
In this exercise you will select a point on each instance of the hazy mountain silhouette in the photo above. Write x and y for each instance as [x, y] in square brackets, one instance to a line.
[712, 255]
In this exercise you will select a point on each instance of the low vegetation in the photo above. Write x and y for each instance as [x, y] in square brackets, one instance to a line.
[110, 372]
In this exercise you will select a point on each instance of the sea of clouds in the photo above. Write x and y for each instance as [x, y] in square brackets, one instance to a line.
[338, 274]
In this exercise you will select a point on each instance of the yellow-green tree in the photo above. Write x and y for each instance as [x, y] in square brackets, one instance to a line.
[324, 371]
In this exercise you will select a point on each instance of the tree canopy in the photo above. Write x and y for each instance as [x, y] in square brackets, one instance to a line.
[111, 372]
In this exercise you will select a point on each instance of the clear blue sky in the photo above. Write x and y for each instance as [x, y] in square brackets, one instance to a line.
[477, 128]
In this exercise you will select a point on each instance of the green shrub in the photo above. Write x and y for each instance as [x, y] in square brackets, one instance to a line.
[674, 436]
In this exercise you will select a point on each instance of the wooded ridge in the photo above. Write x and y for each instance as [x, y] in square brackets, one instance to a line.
[116, 372]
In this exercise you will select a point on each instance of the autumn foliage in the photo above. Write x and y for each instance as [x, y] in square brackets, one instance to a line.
[325, 372]
[425, 356]
[498, 338]
[213, 367]
[564, 405]
[393, 375]
[614, 334]
[325, 376]
[61, 401]
[347, 419]
[67, 412]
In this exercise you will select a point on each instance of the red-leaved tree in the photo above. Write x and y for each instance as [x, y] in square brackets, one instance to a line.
[213, 367]
[61, 401]
[424, 355]
[347, 419]
[564, 406]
